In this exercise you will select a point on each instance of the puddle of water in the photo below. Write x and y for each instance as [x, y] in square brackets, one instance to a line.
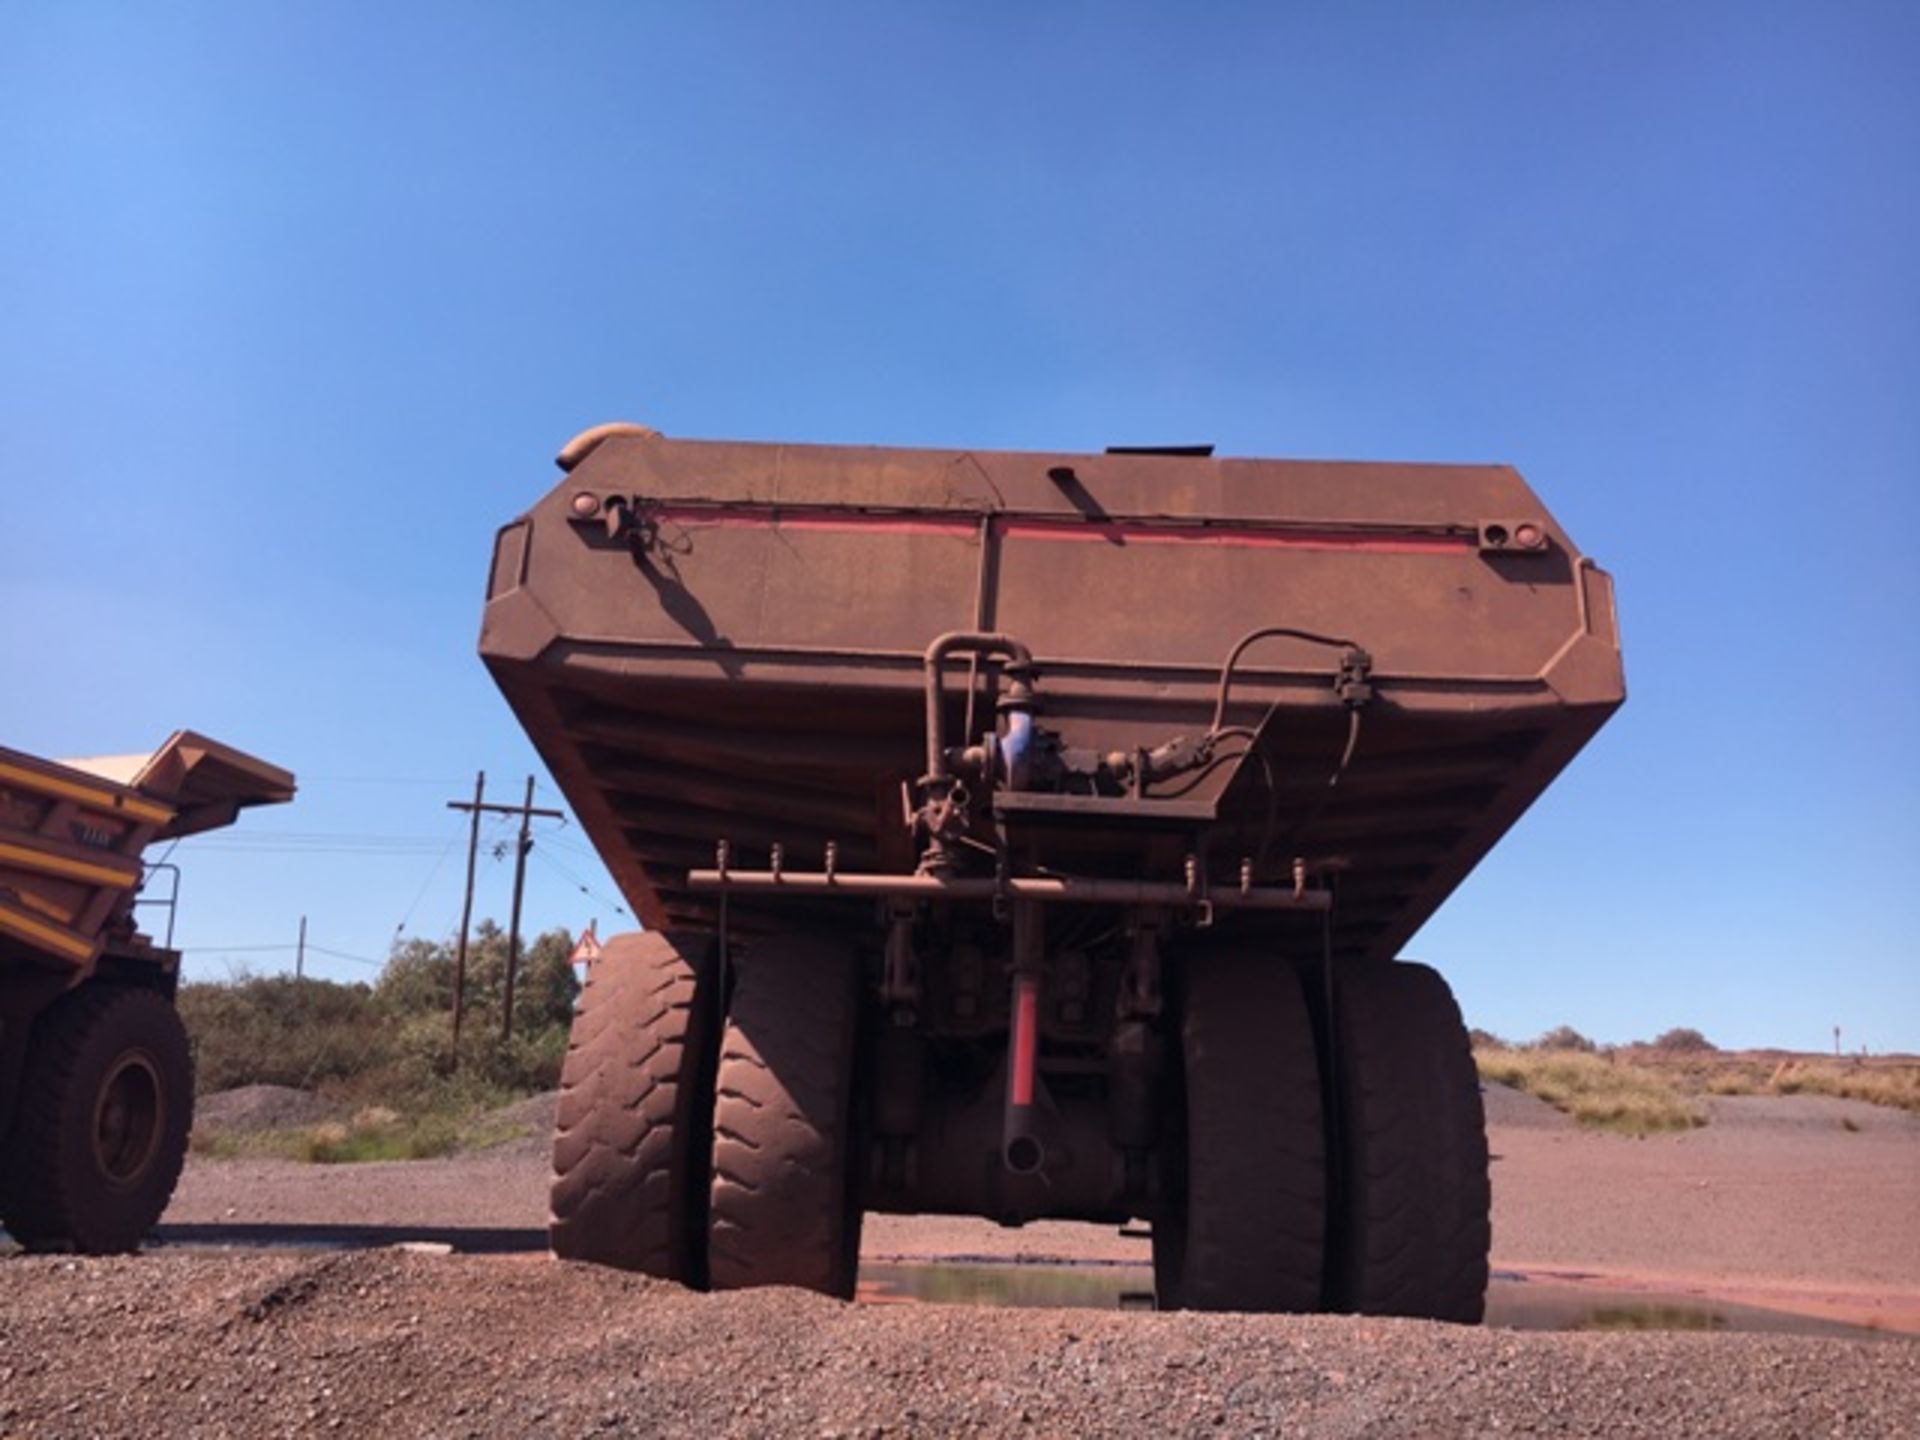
[1513, 1302]
[1045, 1287]
[1516, 1303]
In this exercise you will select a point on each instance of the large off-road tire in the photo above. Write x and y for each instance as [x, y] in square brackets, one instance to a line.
[1411, 1227]
[784, 1208]
[100, 1129]
[633, 1134]
[1245, 1220]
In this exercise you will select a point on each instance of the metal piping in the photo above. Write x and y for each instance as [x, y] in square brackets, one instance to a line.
[1054, 890]
[1021, 1149]
[980, 642]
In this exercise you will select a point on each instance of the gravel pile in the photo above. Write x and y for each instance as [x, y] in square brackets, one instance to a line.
[253, 1108]
[534, 1117]
[537, 1113]
[1508, 1108]
[402, 1344]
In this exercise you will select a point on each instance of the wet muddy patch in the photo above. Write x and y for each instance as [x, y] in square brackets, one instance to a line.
[1514, 1301]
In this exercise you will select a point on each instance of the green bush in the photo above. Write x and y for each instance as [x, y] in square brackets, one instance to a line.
[275, 1030]
[390, 1044]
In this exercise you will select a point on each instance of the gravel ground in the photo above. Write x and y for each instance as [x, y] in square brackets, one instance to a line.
[402, 1344]
[1804, 1197]
[1774, 1190]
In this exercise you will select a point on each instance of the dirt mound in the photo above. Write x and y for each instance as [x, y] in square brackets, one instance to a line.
[1508, 1108]
[537, 1113]
[527, 1126]
[253, 1108]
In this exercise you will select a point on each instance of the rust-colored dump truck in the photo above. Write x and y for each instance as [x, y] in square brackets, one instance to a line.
[1029, 835]
[96, 1082]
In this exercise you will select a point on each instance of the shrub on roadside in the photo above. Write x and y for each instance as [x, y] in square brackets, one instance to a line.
[1565, 1037]
[1684, 1040]
[275, 1030]
[388, 1047]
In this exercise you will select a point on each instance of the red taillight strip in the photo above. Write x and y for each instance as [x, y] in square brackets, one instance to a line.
[1089, 532]
[761, 517]
[1243, 537]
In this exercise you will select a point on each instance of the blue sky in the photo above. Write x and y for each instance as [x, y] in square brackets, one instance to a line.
[297, 301]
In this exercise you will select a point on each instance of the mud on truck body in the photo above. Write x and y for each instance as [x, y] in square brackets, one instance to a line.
[1033, 836]
[96, 1078]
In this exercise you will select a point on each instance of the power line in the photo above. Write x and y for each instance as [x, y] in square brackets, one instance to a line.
[445, 851]
[343, 955]
[214, 951]
[557, 842]
[257, 839]
[362, 852]
[577, 882]
[376, 780]
[333, 836]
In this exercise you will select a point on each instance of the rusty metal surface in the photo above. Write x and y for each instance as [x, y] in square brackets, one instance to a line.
[711, 640]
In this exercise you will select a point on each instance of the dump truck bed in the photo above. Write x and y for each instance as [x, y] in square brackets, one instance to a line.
[713, 641]
[72, 833]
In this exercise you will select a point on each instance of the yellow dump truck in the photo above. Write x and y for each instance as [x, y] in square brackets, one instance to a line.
[96, 1081]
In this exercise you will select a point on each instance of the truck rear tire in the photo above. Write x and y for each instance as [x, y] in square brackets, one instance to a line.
[633, 1132]
[1411, 1227]
[784, 1208]
[100, 1129]
[1245, 1223]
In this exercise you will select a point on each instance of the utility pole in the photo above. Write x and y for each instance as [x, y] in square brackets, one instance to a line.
[300, 953]
[513, 924]
[526, 811]
[466, 912]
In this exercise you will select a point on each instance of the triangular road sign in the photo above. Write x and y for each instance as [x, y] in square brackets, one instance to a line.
[586, 949]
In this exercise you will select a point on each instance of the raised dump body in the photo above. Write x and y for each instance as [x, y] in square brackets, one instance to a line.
[1056, 752]
[96, 1086]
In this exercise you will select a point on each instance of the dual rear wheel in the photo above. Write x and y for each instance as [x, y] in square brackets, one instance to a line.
[1324, 1155]
[1335, 1151]
[712, 1153]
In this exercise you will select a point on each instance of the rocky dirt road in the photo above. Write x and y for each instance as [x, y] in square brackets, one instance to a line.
[1779, 1202]
[1775, 1194]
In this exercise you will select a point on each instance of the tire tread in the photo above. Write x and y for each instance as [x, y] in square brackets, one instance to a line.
[1254, 1218]
[1415, 1227]
[629, 1138]
[782, 1210]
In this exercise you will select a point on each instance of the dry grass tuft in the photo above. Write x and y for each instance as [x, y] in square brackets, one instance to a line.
[1892, 1084]
[1598, 1091]
[1891, 1081]
[1643, 1088]
[375, 1133]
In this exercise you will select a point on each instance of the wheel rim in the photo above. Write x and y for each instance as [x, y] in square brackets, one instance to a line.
[128, 1119]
